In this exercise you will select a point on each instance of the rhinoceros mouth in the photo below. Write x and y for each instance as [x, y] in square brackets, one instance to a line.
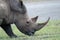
[29, 33]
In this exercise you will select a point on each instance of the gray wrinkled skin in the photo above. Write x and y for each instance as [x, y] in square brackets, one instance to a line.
[20, 19]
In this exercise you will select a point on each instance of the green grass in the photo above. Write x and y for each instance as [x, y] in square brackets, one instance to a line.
[50, 32]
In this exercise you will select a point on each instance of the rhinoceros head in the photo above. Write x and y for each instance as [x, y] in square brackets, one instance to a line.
[25, 24]
[29, 26]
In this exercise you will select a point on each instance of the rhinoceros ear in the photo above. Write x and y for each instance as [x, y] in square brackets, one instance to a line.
[41, 25]
[34, 19]
[21, 2]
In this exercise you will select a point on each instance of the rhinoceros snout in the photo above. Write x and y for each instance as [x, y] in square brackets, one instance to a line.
[30, 33]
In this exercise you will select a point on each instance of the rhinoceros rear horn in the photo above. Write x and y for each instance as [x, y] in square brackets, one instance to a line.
[34, 19]
[41, 25]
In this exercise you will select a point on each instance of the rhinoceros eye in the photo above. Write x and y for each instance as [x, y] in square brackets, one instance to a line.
[27, 22]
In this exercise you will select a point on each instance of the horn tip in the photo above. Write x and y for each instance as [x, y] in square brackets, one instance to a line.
[37, 16]
[49, 18]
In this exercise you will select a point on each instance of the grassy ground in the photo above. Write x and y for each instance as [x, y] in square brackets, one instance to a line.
[50, 32]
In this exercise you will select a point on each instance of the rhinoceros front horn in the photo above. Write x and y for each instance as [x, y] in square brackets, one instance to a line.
[41, 25]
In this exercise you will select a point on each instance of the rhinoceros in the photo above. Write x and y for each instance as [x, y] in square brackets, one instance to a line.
[9, 15]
